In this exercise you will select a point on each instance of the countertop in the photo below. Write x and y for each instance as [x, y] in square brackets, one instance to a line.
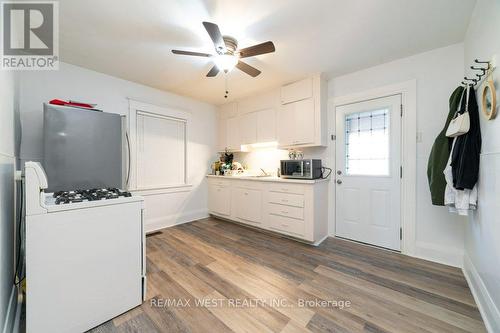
[271, 179]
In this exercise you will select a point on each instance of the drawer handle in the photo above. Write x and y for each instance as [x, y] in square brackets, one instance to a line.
[284, 189]
[246, 193]
[285, 225]
[284, 212]
[284, 200]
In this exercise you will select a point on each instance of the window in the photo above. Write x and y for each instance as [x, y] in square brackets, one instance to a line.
[161, 151]
[158, 145]
[367, 143]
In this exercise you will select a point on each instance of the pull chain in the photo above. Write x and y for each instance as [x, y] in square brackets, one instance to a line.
[227, 90]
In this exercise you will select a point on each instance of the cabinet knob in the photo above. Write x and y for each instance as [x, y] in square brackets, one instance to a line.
[339, 181]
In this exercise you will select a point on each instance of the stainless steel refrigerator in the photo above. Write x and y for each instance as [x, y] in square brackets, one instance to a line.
[83, 149]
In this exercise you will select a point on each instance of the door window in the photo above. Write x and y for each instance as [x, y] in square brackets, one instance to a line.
[367, 143]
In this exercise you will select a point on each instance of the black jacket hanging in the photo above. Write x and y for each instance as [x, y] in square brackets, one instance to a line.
[465, 154]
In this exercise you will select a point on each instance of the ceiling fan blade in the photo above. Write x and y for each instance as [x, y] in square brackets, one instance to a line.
[213, 72]
[262, 48]
[189, 53]
[216, 36]
[252, 71]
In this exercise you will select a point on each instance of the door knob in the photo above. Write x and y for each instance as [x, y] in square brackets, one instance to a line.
[339, 181]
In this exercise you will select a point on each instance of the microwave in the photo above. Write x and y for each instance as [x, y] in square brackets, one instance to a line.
[301, 169]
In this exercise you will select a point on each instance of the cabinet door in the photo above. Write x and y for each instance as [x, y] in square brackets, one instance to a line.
[249, 205]
[266, 125]
[304, 121]
[219, 199]
[286, 124]
[296, 91]
[232, 134]
[248, 128]
[222, 134]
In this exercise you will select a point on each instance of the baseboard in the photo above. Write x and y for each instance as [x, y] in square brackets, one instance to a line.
[152, 225]
[489, 311]
[10, 315]
[441, 254]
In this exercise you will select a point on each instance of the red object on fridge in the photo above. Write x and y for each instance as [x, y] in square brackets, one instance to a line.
[70, 103]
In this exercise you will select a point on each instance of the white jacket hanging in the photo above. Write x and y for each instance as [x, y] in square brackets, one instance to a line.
[458, 201]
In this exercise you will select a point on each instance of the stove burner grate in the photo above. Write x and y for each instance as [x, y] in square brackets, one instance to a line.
[65, 197]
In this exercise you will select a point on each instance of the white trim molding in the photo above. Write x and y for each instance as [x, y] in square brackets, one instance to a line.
[487, 307]
[157, 224]
[408, 91]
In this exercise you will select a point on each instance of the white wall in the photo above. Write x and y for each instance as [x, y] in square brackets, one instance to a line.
[482, 235]
[7, 193]
[439, 235]
[110, 93]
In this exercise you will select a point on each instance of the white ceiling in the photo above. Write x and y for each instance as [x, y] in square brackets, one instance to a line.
[132, 39]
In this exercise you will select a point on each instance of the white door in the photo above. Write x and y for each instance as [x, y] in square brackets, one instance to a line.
[368, 175]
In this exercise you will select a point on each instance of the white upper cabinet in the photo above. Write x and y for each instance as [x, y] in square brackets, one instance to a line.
[297, 91]
[221, 134]
[294, 115]
[266, 126]
[248, 128]
[286, 125]
[229, 110]
[233, 141]
[296, 123]
[228, 128]
[302, 120]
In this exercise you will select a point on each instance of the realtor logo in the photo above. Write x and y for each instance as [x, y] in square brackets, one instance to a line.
[30, 32]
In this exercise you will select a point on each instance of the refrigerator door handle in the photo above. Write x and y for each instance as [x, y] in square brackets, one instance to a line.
[129, 159]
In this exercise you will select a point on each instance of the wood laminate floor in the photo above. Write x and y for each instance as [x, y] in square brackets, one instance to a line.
[257, 282]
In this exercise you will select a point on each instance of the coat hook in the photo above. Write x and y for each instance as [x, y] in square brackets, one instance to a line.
[479, 69]
[482, 62]
[473, 80]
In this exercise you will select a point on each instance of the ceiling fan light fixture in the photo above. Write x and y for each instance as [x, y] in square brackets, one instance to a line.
[225, 62]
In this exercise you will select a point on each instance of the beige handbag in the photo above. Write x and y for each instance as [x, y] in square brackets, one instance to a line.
[460, 124]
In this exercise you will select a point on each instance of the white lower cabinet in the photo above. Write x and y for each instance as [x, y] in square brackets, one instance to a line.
[248, 204]
[295, 210]
[219, 198]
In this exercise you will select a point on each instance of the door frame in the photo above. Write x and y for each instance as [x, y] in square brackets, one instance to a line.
[408, 91]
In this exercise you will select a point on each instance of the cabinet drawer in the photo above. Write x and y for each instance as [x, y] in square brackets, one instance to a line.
[287, 188]
[287, 225]
[219, 181]
[296, 200]
[287, 211]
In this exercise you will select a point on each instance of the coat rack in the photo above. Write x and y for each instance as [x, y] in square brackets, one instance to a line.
[478, 77]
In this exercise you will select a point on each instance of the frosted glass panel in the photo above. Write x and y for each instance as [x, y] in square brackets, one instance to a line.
[367, 143]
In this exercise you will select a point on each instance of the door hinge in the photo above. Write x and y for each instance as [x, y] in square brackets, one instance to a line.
[401, 233]
[401, 106]
[333, 137]
[400, 171]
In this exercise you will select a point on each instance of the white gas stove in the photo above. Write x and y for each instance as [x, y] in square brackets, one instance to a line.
[85, 255]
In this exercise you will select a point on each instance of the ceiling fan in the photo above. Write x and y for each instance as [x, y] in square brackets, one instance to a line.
[228, 55]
